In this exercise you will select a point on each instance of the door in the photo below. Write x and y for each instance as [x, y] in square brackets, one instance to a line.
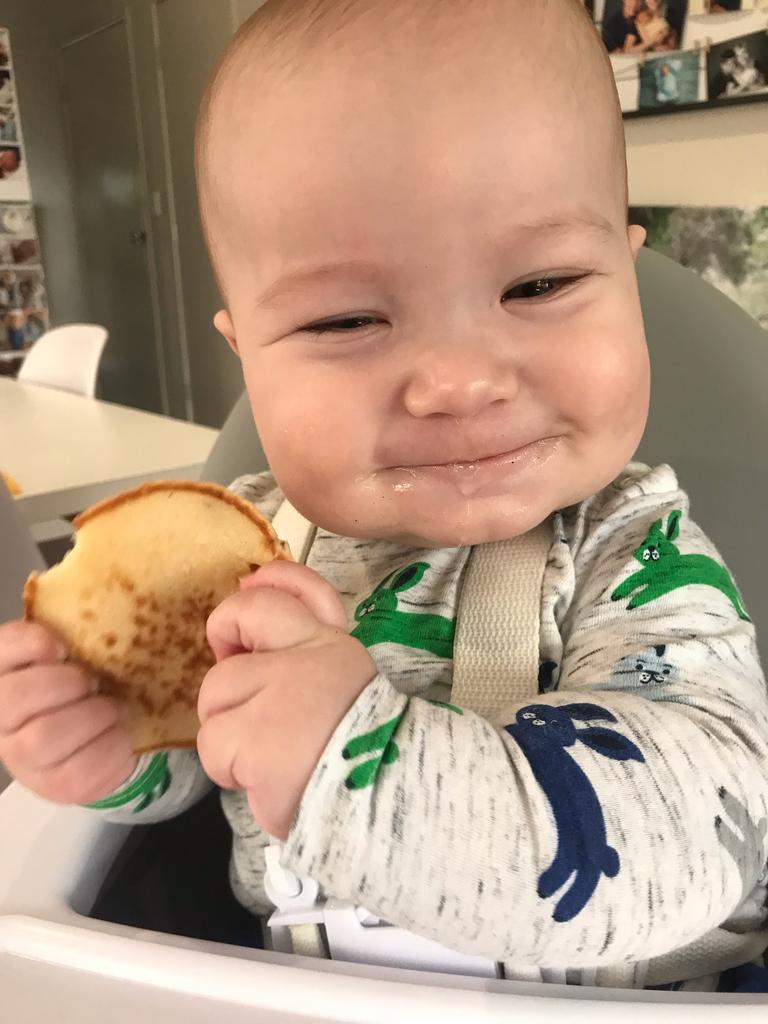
[190, 35]
[110, 213]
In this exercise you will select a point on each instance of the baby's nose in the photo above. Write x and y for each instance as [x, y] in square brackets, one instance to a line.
[455, 385]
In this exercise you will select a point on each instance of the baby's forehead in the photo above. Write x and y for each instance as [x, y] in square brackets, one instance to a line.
[540, 44]
[543, 57]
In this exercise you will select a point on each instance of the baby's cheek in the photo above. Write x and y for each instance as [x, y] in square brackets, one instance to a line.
[610, 388]
[314, 462]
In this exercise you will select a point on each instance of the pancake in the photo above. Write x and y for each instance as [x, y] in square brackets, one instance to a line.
[132, 598]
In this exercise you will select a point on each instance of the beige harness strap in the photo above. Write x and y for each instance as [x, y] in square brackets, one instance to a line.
[307, 940]
[496, 650]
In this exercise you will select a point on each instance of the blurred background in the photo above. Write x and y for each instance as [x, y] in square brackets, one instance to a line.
[106, 92]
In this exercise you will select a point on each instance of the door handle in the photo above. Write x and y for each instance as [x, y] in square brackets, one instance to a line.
[138, 237]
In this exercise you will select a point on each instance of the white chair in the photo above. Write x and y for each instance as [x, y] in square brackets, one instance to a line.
[66, 357]
[19, 556]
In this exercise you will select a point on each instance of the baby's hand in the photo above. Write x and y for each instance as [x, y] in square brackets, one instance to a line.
[287, 673]
[56, 737]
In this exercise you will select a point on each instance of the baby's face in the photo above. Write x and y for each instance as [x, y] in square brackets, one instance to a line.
[431, 288]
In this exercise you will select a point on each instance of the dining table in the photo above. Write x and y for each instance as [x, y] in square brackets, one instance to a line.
[67, 451]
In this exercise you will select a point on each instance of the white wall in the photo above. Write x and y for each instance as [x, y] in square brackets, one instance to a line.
[38, 29]
[700, 158]
[244, 9]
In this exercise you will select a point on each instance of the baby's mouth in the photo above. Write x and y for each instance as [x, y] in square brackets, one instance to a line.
[530, 451]
[484, 477]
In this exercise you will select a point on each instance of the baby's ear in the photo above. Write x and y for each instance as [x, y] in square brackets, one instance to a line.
[636, 235]
[223, 324]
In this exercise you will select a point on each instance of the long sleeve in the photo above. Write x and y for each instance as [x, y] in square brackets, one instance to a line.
[162, 786]
[616, 819]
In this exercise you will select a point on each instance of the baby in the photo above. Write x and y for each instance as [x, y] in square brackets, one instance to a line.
[417, 213]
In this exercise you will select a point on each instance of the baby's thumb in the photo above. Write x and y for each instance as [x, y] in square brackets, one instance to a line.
[308, 586]
[281, 605]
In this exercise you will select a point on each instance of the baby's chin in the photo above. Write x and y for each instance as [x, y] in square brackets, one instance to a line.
[465, 523]
[482, 530]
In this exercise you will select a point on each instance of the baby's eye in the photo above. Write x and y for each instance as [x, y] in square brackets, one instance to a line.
[540, 287]
[344, 326]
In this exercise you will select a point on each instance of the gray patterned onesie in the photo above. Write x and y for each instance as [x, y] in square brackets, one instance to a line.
[612, 831]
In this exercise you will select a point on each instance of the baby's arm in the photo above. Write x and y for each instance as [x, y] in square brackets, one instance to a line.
[587, 827]
[164, 784]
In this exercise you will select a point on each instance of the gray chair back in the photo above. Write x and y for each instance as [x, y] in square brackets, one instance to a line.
[19, 556]
[237, 450]
[708, 418]
[709, 415]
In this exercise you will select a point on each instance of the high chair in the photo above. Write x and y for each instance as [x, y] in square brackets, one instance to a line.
[708, 415]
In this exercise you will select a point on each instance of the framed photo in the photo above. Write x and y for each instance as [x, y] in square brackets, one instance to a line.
[23, 301]
[17, 220]
[643, 26]
[10, 161]
[727, 6]
[7, 88]
[26, 250]
[14, 180]
[9, 131]
[726, 40]
[669, 81]
[24, 312]
[738, 67]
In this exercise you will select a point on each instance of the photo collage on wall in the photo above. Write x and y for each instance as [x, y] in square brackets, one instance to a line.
[23, 303]
[673, 53]
[14, 183]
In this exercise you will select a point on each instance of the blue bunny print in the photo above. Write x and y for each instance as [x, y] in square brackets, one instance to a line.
[544, 733]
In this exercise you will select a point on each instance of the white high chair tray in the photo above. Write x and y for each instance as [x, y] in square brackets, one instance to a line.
[58, 964]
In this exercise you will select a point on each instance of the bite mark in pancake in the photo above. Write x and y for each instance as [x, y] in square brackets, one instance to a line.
[132, 598]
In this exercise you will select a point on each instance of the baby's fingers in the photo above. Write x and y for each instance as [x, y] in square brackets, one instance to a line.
[303, 583]
[266, 619]
[50, 739]
[35, 691]
[282, 605]
[28, 643]
[92, 772]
